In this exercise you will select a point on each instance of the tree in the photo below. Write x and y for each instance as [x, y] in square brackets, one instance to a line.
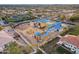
[1, 28]
[30, 15]
[62, 17]
[74, 17]
[74, 31]
[13, 48]
[11, 20]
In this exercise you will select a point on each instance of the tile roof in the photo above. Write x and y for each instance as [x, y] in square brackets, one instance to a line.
[71, 39]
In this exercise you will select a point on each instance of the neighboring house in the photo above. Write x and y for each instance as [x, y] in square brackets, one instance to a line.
[70, 42]
[4, 39]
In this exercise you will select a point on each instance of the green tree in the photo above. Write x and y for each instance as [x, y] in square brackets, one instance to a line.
[11, 20]
[1, 28]
[74, 31]
[30, 15]
[62, 17]
[13, 48]
[74, 17]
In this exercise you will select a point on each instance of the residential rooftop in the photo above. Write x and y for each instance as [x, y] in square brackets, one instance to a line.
[72, 39]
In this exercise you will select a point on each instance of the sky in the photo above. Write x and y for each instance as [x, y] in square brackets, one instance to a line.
[39, 2]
